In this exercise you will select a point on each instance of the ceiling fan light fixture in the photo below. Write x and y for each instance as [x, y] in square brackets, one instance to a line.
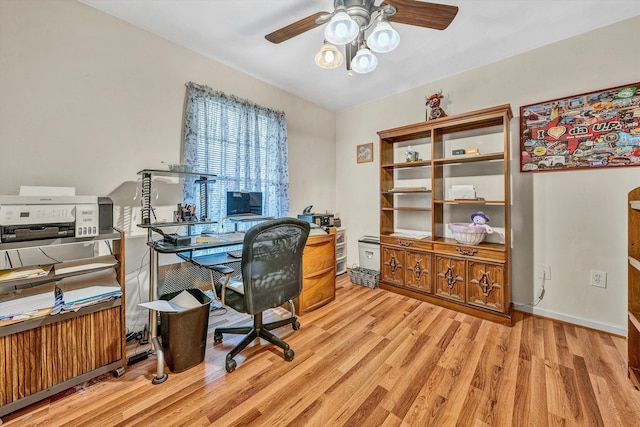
[384, 38]
[342, 29]
[329, 56]
[364, 62]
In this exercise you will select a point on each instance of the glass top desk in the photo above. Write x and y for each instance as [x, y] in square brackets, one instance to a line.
[186, 252]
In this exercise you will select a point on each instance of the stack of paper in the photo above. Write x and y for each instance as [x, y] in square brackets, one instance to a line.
[69, 294]
[89, 289]
[24, 272]
[24, 304]
[181, 302]
[85, 264]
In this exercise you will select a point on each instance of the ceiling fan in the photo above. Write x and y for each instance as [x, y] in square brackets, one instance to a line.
[351, 19]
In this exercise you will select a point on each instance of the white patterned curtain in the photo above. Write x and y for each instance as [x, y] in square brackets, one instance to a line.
[244, 144]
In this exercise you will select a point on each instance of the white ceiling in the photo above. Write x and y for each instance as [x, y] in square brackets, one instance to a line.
[484, 31]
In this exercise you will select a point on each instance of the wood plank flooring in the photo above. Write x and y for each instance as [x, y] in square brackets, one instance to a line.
[374, 358]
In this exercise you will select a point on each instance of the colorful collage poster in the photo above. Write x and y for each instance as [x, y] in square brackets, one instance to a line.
[593, 130]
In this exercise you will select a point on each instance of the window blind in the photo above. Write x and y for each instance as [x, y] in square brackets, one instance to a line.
[244, 144]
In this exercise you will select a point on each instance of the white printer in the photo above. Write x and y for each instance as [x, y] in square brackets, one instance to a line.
[44, 217]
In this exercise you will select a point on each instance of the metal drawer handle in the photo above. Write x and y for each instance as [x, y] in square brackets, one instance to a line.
[468, 253]
[401, 243]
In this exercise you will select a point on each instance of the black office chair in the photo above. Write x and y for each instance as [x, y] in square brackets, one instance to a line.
[271, 275]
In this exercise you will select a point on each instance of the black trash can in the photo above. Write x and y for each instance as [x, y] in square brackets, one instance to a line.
[184, 333]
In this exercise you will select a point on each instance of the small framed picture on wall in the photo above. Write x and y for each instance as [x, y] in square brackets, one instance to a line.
[364, 153]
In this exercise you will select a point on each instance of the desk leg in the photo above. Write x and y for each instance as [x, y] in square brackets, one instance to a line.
[161, 376]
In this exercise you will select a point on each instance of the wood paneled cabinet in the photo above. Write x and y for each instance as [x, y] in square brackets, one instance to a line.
[418, 271]
[319, 271]
[406, 267]
[45, 355]
[475, 282]
[633, 344]
[421, 176]
[485, 285]
[450, 278]
[392, 265]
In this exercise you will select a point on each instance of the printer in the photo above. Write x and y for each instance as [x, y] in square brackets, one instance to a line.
[321, 220]
[25, 218]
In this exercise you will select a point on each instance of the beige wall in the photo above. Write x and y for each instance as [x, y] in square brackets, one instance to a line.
[87, 100]
[573, 221]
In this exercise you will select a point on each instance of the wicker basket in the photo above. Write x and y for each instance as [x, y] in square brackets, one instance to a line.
[467, 235]
[364, 277]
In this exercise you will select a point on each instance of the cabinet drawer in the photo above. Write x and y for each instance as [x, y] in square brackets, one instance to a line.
[318, 290]
[470, 251]
[406, 243]
[319, 254]
[450, 278]
[486, 285]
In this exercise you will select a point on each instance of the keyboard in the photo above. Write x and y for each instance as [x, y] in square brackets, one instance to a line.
[235, 254]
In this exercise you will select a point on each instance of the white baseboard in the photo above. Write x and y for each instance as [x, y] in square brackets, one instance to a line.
[600, 326]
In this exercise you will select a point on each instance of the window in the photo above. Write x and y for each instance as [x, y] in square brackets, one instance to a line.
[244, 144]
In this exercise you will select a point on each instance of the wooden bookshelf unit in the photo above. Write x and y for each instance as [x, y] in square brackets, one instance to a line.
[418, 255]
[634, 287]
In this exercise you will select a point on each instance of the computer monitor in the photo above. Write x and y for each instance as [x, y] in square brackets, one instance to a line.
[255, 203]
[242, 202]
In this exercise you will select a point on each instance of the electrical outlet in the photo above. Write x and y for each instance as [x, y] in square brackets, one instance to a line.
[599, 278]
[544, 271]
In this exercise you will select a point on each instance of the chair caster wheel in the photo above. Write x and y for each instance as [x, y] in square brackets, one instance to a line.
[118, 372]
[295, 325]
[288, 355]
[217, 337]
[159, 380]
[230, 365]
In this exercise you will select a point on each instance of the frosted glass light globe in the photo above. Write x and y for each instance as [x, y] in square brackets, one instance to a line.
[384, 38]
[341, 29]
[364, 61]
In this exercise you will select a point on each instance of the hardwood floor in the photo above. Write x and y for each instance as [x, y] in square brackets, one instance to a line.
[374, 358]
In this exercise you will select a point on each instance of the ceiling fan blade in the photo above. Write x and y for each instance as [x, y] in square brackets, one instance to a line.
[297, 28]
[423, 14]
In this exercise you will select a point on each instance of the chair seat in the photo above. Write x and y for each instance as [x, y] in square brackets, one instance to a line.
[235, 284]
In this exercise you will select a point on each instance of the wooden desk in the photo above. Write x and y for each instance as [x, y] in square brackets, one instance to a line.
[319, 271]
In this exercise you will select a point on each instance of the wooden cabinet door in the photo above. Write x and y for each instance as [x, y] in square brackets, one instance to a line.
[418, 270]
[450, 278]
[392, 265]
[486, 285]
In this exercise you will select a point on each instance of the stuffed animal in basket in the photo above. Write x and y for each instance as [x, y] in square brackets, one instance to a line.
[479, 220]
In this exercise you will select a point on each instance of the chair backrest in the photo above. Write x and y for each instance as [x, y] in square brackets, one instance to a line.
[272, 263]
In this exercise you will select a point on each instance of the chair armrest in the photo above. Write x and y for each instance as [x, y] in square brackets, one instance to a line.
[223, 269]
[220, 268]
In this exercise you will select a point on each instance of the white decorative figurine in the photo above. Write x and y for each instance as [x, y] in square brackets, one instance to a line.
[479, 219]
